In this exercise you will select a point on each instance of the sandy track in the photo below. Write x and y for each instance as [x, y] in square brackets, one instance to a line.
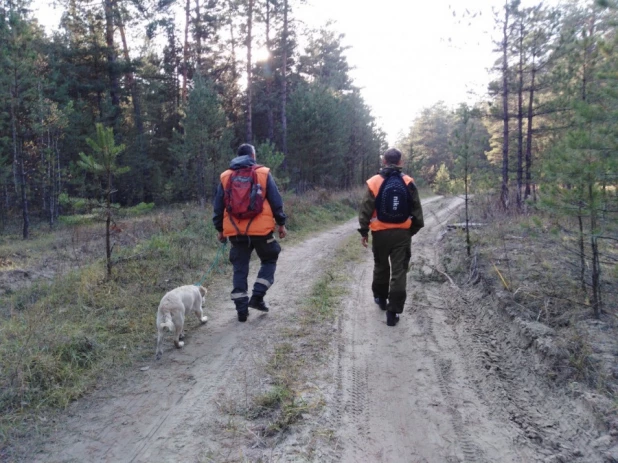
[454, 381]
[170, 413]
[403, 394]
[427, 390]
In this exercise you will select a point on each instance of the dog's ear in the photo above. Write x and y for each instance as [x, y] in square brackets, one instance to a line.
[203, 291]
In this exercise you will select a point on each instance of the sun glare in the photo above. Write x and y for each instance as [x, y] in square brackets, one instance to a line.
[261, 54]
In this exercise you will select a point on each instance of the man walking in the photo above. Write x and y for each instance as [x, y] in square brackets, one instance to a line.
[391, 209]
[246, 207]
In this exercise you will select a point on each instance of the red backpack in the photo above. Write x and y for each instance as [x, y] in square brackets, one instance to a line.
[243, 196]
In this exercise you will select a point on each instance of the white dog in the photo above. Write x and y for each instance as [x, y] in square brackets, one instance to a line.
[172, 309]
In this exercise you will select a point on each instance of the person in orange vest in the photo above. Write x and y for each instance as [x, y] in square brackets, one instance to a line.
[248, 221]
[392, 210]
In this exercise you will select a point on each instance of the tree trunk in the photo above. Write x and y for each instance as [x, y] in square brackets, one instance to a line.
[233, 46]
[198, 37]
[249, 133]
[142, 164]
[520, 118]
[284, 66]
[213, 180]
[504, 197]
[596, 265]
[529, 129]
[201, 179]
[24, 198]
[58, 177]
[587, 74]
[108, 220]
[582, 254]
[466, 153]
[467, 200]
[350, 161]
[3, 206]
[269, 80]
[93, 34]
[18, 159]
[14, 93]
[114, 91]
[185, 66]
[51, 180]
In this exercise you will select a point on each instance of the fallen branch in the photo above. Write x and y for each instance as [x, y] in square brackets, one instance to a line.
[462, 225]
[506, 286]
[445, 275]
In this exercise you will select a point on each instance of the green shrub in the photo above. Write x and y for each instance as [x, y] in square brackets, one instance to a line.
[81, 219]
[140, 209]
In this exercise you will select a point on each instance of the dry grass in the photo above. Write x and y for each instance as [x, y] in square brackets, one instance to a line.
[297, 352]
[301, 349]
[310, 212]
[531, 261]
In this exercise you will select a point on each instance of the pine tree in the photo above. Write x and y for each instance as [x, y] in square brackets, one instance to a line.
[103, 164]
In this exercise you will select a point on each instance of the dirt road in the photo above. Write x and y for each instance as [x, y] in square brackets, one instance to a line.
[438, 387]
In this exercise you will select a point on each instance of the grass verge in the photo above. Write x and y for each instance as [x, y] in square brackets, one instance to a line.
[302, 346]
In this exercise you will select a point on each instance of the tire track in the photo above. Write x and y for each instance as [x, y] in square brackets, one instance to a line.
[443, 370]
[196, 401]
[356, 374]
[526, 404]
[406, 392]
[377, 359]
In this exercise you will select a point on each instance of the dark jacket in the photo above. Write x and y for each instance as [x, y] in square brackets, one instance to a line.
[368, 205]
[272, 195]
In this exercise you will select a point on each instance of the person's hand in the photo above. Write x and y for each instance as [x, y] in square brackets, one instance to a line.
[282, 231]
[364, 240]
[221, 238]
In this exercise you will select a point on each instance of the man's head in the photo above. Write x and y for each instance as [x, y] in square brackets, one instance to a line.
[246, 150]
[392, 156]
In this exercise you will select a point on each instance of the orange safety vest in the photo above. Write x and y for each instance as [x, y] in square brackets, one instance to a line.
[260, 225]
[374, 184]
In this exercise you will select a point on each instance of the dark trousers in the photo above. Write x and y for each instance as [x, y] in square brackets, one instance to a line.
[391, 255]
[267, 249]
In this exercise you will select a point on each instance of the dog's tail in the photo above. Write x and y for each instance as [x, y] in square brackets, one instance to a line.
[167, 322]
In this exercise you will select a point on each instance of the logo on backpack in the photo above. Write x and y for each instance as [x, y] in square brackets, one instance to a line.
[394, 201]
[243, 196]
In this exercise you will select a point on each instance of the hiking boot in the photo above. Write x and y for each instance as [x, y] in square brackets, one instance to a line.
[392, 318]
[242, 316]
[257, 302]
[381, 301]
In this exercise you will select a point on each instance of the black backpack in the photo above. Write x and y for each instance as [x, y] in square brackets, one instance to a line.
[394, 200]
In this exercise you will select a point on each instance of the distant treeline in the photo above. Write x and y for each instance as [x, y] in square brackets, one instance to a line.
[180, 95]
[182, 91]
[550, 116]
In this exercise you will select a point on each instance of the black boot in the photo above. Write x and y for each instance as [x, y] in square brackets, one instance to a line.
[392, 318]
[242, 316]
[257, 302]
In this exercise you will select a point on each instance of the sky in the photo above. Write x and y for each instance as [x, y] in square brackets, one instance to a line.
[406, 54]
